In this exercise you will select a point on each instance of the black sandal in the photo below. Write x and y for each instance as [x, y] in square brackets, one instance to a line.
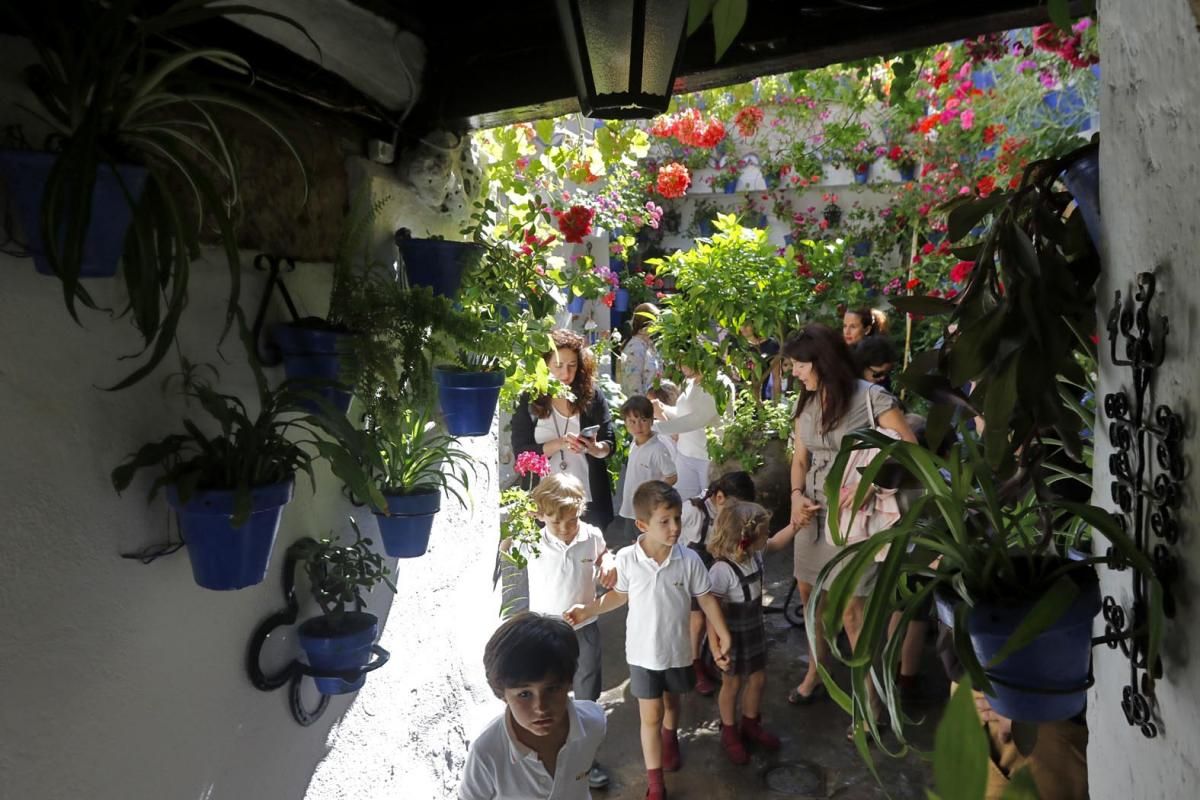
[795, 698]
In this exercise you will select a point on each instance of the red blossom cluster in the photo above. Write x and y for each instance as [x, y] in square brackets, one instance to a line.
[1052, 39]
[673, 180]
[985, 185]
[575, 223]
[690, 128]
[748, 119]
[960, 271]
[531, 242]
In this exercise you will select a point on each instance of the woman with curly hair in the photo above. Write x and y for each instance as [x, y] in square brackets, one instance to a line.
[574, 435]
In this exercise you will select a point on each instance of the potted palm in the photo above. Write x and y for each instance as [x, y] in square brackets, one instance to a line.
[342, 639]
[138, 158]
[988, 538]
[228, 488]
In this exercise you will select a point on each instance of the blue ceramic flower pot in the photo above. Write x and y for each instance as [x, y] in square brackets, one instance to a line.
[345, 649]
[1047, 679]
[983, 79]
[316, 356]
[25, 174]
[224, 557]
[907, 172]
[468, 400]
[1083, 181]
[862, 175]
[621, 300]
[406, 528]
[730, 186]
[575, 304]
[437, 264]
[862, 248]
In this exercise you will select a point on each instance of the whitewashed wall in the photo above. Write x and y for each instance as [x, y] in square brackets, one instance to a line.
[1150, 106]
[122, 680]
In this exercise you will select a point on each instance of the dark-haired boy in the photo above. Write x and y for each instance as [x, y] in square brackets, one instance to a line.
[658, 577]
[544, 744]
[649, 458]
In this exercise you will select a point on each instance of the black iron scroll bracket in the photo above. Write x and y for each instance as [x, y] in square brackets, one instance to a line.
[295, 671]
[268, 354]
[1148, 478]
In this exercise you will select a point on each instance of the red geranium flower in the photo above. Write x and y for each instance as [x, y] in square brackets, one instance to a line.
[575, 223]
[912, 283]
[985, 185]
[927, 248]
[609, 299]
[960, 271]
[673, 180]
[748, 119]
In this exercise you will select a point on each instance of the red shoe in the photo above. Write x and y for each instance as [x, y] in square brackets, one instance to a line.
[755, 733]
[704, 684]
[655, 788]
[731, 743]
[671, 759]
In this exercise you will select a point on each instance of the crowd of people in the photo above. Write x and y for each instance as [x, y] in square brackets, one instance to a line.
[693, 576]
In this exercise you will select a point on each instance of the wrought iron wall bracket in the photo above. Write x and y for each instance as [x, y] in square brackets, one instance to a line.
[1147, 487]
[295, 672]
[267, 352]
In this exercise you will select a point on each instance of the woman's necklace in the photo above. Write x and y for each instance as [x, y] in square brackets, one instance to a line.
[562, 457]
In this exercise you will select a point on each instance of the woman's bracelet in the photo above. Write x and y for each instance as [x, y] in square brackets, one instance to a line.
[801, 491]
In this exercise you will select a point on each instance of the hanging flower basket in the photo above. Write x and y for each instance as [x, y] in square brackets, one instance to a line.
[25, 174]
[315, 353]
[468, 399]
[435, 263]
[1047, 680]
[224, 557]
[406, 528]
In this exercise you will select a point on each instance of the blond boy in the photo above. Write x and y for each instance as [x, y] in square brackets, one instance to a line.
[659, 577]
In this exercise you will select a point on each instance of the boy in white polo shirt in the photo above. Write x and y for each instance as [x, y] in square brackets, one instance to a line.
[649, 458]
[541, 747]
[571, 556]
[658, 577]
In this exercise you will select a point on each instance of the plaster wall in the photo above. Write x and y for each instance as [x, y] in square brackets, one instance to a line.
[1150, 105]
[123, 680]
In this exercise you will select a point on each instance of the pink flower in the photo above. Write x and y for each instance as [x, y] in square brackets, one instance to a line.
[967, 119]
[531, 462]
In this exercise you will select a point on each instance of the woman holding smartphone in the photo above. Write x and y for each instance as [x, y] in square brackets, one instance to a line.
[574, 435]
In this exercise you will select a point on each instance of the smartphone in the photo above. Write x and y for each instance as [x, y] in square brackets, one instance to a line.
[590, 432]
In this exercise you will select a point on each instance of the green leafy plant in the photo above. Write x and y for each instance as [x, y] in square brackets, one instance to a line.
[519, 527]
[400, 455]
[114, 87]
[989, 513]
[339, 575]
[248, 451]
[743, 439]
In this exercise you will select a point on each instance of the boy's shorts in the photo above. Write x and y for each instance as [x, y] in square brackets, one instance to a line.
[649, 684]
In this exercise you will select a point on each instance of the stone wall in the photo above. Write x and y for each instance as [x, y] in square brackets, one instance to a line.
[1150, 108]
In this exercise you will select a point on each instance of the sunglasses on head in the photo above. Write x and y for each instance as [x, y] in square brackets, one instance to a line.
[879, 374]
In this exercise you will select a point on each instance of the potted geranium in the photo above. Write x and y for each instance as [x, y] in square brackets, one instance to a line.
[228, 488]
[135, 120]
[343, 638]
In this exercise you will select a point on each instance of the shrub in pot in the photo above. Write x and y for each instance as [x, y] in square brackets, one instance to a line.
[228, 488]
[343, 638]
[134, 119]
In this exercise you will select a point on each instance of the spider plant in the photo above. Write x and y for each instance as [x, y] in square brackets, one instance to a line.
[249, 451]
[115, 86]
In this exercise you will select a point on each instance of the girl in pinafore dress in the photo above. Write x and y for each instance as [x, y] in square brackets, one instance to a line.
[737, 542]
